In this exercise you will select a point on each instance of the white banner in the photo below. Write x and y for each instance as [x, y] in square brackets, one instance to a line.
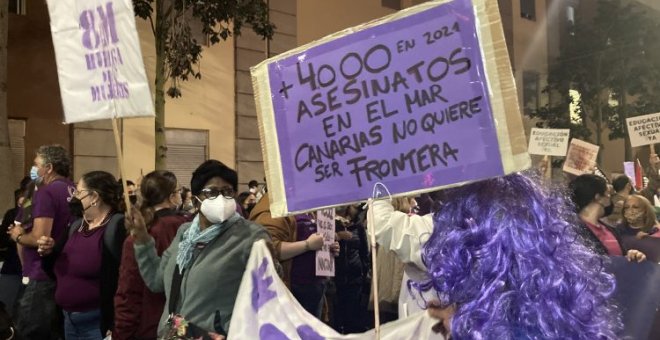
[581, 157]
[265, 309]
[551, 142]
[325, 225]
[99, 62]
[644, 130]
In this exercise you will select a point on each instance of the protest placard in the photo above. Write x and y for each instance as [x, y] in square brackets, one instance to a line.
[99, 62]
[629, 170]
[548, 142]
[410, 100]
[581, 157]
[325, 225]
[266, 309]
[644, 130]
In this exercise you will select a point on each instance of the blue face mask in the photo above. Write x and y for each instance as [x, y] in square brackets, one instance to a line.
[34, 174]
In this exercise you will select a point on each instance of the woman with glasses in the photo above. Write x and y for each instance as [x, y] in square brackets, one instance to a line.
[201, 271]
[137, 309]
[85, 262]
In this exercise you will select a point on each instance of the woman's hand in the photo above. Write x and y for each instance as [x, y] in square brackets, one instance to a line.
[315, 242]
[45, 245]
[136, 226]
[635, 255]
[443, 315]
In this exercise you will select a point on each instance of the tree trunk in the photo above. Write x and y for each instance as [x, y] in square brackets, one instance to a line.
[160, 36]
[6, 176]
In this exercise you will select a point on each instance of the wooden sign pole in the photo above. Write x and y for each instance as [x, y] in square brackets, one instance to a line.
[122, 169]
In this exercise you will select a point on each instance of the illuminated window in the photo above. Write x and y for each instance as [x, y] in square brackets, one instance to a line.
[574, 107]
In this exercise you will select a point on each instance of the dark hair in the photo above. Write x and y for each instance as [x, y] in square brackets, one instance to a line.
[584, 189]
[155, 188]
[105, 185]
[184, 193]
[24, 183]
[253, 183]
[620, 182]
[209, 169]
[58, 157]
[242, 197]
[17, 195]
[506, 253]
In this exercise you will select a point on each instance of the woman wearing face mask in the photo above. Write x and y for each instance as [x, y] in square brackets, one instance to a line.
[247, 200]
[208, 253]
[639, 229]
[137, 309]
[85, 262]
[592, 201]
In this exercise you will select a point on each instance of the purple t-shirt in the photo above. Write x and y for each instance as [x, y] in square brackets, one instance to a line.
[51, 201]
[78, 272]
[303, 266]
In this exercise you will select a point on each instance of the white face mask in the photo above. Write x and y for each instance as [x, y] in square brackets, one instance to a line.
[219, 209]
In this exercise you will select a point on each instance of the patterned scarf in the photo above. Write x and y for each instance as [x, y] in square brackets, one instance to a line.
[192, 237]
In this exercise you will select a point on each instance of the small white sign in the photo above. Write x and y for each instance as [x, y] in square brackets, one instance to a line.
[550, 142]
[644, 130]
[581, 157]
[325, 225]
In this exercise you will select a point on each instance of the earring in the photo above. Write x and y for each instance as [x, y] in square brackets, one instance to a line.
[93, 204]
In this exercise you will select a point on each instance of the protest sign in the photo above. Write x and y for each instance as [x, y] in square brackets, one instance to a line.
[325, 225]
[410, 100]
[265, 309]
[644, 130]
[581, 157]
[548, 142]
[99, 62]
[629, 170]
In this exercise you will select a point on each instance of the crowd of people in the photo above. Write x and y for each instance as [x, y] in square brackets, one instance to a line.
[506, 256]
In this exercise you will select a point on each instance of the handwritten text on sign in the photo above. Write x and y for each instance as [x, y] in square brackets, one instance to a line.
[404, 103]
[551, 142]
[99, 62]
[581, 157]
[644, 130]
[325, 225]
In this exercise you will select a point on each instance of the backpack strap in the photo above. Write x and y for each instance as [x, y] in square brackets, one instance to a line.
[114, 228]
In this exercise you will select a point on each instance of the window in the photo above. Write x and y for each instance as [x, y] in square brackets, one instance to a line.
[530, 91]
[17, 146]
[17, 6]
[186, 150]
[393, 4]
[528, 9]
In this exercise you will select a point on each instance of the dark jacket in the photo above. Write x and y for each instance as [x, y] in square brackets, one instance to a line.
[137, 309]
[113, 240]
[352, 264]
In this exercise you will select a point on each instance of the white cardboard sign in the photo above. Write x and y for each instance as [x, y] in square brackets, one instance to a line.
[581, 157]
[550, 142]
[644, 130]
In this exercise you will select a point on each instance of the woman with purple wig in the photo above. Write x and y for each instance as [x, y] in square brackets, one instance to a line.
[505, 257]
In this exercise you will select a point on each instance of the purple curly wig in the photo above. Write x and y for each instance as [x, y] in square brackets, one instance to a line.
[506, 253]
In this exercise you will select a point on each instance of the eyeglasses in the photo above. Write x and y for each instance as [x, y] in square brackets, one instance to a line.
[73, 192]
[213, 193]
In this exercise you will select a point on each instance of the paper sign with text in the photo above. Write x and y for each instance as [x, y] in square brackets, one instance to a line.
[581, 157]
[629, 170]
[404, 100]
[644, 130]
[325, 225]
[550, 142]
[99, 62]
